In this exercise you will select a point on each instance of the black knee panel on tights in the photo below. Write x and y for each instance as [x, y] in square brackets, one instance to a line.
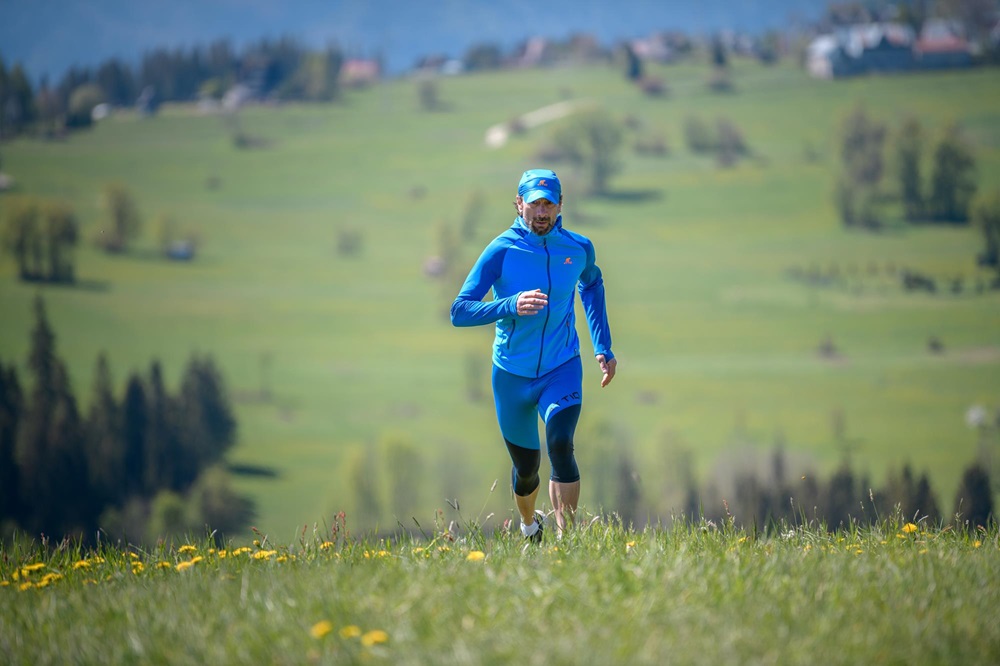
[559, 438]
[524, 475]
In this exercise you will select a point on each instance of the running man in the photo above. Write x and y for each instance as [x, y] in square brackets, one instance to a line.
[533, 268]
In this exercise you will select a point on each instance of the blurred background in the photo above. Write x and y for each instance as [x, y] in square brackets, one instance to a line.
[232, 232]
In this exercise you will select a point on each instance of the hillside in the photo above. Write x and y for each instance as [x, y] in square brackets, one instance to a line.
[717, 340]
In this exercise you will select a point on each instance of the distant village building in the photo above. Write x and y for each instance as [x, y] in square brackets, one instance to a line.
[887, 47]
[236, 97]
[532, 53]
[653, 48]
[359, 73]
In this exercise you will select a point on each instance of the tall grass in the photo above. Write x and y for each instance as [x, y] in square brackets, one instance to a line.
[892, 592]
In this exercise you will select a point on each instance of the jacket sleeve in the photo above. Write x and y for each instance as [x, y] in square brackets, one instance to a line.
[591, 290]
[469, 308]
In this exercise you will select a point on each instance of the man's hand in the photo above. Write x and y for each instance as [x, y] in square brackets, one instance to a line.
[530, 302]
[608, 368]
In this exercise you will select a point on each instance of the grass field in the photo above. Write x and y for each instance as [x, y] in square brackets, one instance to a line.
[716, 343]
[695, 594]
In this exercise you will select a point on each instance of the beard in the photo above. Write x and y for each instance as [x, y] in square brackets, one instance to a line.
[541, 225]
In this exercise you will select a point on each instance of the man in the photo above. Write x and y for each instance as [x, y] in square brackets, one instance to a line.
[533, 269]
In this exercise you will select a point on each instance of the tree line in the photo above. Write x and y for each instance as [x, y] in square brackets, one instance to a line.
[140, 466]
[885, 170]
[41, 234]
[279, 68]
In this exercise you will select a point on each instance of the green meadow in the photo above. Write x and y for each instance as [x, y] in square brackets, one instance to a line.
[717, 342]
[694, 594]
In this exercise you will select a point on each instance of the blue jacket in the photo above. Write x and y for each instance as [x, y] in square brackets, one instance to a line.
[517, 261]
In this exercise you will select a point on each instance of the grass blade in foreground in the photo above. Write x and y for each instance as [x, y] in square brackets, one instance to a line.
[604, 594]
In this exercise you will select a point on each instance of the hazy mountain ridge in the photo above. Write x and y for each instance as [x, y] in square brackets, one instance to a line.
[49, 36]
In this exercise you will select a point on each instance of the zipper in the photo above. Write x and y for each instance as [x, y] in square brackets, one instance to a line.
[548, 309]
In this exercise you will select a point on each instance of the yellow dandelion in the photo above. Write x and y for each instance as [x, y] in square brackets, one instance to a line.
[326, 544]
[4, 583]
[187, 548]
[476, 556]
[82, 564]
[184, 566]
[133, 556]
[264, 554]
[806, 548]
[419, 550]
[374, 637]
[909, 528]
[137, 568]
[29, 568]
[256, 542]
[26, 586]
[283, 558]
[444, 549]
[163, 565]
[241, 551]
[350, 631]
[222, 554]
[48, 579]
[858, 551]
[383, 553]
[977, 543]
[630, 545]
[321, 629]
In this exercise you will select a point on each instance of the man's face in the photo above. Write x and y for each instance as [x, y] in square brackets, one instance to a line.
[539, 215]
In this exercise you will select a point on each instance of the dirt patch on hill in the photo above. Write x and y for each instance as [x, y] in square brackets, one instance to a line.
[977, 355]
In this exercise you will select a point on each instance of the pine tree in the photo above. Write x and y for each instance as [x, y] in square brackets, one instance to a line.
[50, 447]
[105, 445]
[974, 499]
[206, 412]
[841, 498]
[134, 424]
[11, 404]
[926, 501]
[162, 445]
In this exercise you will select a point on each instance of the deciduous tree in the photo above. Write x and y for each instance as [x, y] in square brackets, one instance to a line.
[953, 181]
[592, 142]
[909, 153]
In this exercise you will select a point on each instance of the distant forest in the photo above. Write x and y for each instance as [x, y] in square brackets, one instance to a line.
[139, 467]
[280, 68]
